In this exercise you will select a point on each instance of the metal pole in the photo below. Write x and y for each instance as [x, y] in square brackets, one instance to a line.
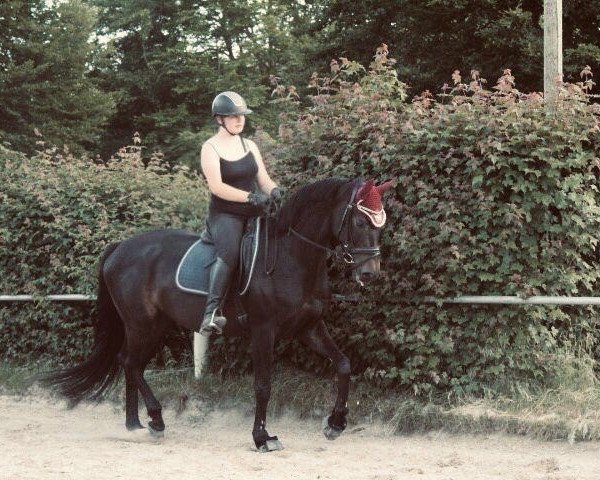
[465, 300]
[501, 300]
[31, 298]
[553, 57]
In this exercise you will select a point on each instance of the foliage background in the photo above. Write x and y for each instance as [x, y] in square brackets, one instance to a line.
[496, 194]
[57, 214]
[90, 73]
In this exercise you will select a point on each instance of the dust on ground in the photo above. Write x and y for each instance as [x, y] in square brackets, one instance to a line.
[41, 439]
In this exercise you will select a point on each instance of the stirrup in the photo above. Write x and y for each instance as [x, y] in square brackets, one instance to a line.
[213, 324]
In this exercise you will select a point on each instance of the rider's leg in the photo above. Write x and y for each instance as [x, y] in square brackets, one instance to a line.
[214, 321]
[226, 231]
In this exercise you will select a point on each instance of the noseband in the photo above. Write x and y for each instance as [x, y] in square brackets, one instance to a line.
[346, 246]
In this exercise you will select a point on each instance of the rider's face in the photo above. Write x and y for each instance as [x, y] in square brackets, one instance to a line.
[234, 123]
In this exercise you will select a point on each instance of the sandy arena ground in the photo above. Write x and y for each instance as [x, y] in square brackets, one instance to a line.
[41, 439]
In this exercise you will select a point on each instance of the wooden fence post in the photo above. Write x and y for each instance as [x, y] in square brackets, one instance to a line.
[553, 58]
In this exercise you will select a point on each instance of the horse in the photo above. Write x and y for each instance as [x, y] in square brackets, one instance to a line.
[138, 302]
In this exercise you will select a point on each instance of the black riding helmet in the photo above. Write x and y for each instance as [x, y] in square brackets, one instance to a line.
[229, 103]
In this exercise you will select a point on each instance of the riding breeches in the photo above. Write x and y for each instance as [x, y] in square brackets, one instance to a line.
[226, 231]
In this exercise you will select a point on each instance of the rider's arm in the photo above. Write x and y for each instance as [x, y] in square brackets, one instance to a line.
[211, 168]
[264, 181]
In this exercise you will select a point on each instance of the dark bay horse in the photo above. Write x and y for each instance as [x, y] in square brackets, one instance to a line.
[138, 301]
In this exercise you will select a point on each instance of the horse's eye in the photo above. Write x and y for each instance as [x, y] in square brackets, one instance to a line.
[359, 222]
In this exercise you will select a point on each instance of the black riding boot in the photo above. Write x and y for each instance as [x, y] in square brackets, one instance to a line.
[214, 321]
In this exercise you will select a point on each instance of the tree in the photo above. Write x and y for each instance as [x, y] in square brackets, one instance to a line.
[166, 65]
[144, 55]
[582, 43]
[44, 83]
[432, 38]
[167, 61]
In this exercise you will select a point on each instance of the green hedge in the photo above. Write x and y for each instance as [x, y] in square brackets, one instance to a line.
[496, 195]
[57, 214]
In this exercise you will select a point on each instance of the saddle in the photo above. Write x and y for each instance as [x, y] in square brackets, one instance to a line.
[194, 267]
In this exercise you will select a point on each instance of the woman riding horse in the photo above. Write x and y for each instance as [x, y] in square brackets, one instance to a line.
[233, 167]
[139, 302]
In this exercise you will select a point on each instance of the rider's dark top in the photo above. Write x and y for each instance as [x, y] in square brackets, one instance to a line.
[239, 174]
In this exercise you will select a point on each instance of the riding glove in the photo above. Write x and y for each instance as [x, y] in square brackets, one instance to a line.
[259, 199]
[276, 194]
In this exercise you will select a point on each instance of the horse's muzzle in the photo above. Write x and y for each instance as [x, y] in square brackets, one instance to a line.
[368, 271]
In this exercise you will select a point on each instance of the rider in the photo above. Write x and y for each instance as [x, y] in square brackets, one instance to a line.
[240, 189]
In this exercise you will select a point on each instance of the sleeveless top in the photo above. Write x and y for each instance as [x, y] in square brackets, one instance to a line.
[240, 174]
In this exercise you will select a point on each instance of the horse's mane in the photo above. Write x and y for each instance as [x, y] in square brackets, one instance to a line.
[316, 197]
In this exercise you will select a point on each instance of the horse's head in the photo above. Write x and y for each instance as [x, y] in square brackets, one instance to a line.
[360, 230]
[353, 221]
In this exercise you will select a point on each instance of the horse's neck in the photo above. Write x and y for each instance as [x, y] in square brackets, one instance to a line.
[304, 265]
[301, 254]
[309, 258]
[317, 233]
[302, 250]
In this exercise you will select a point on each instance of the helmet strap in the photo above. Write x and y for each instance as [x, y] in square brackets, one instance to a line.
[223, 125]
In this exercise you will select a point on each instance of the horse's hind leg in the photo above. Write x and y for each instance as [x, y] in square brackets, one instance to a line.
[134, 375]
[132, 419]
[138, 355]
[319, 340]
[156, 424]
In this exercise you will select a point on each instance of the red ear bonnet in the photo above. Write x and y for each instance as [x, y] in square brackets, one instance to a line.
[369, 201]
[384, 187]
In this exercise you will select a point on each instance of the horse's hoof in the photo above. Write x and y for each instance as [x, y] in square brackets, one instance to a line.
[138, 434]
[272, 444]
[154, 433]
[134, 427]
[331, 433]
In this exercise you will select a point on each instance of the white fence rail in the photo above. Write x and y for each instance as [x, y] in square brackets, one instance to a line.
[466, 300]
[501, 300]
[33, 298]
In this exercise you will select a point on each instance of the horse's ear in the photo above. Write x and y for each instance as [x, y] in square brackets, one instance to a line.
[366, 187]
[384, 187]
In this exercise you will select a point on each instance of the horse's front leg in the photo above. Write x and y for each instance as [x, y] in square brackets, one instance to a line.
[263, 340]
[319, 340]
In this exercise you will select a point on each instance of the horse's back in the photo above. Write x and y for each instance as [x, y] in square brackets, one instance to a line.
[140, 275]
[151, 245]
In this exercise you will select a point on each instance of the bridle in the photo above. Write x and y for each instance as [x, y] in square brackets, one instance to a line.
[346, 249]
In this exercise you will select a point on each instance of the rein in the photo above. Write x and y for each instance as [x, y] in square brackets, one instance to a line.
[347, 253]
[269, 270]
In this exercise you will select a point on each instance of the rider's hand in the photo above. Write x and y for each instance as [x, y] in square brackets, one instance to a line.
[259, 199]
[276, 195]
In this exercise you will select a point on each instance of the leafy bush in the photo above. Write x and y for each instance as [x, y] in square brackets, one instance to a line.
[496, 195]
[57, 214]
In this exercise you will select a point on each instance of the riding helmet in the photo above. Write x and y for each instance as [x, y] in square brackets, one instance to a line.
[229, 103]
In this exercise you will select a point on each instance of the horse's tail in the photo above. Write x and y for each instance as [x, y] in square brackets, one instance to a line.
[90, 379]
